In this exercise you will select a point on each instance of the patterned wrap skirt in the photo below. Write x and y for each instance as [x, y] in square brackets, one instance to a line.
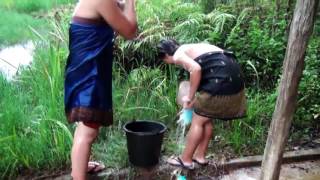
[88, 73]
[221, 93]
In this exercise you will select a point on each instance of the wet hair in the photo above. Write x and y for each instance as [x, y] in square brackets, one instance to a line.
[167, 46]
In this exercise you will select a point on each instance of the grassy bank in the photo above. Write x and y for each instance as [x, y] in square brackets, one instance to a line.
[27, 6]
[20, 18]
[17, 27]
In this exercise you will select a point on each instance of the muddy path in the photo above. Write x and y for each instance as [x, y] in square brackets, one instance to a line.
[297, 165]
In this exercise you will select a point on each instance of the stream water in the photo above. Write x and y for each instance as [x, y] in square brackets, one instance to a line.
[12, 58]
[183, 122]
[180, 134]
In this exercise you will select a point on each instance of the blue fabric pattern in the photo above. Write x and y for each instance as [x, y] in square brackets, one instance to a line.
[88, 74]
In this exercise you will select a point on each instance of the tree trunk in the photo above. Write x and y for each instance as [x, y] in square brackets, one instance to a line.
[301, 29]
[288, 16]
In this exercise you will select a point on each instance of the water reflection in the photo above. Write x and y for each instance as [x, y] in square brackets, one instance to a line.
[14, 57]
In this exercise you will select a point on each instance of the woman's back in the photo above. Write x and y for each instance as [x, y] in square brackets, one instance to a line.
[195, 50]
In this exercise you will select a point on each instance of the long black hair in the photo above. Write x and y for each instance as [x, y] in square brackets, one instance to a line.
[167, 46]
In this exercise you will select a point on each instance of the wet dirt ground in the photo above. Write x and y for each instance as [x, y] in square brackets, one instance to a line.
[297, 171]
[308, 170]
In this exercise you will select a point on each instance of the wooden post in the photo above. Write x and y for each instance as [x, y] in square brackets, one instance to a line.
[301, 29]
[288, 15]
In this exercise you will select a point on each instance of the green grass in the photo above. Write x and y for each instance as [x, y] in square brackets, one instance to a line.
[31, 137]
[16, 27]
[111, 149]
[34, 134]
[248, 135]
[19, 19]
[28, 6]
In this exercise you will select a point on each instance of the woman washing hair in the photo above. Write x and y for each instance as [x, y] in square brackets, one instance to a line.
[216, 91]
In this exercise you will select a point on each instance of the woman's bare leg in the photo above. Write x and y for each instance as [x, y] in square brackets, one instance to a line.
[194, 137]
[81, 149]
[204, 143]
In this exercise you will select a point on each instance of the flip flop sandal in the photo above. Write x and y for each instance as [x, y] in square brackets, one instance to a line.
[95, 167]
[200, 163]
[179, 163]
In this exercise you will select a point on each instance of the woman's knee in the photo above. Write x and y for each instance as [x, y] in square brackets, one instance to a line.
[84, 139]
[209, 124]
[200, 120]
[85, 134]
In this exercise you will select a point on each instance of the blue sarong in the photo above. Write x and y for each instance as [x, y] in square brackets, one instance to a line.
[88, 74]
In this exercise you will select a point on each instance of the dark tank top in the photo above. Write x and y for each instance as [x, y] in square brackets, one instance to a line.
[221, 74]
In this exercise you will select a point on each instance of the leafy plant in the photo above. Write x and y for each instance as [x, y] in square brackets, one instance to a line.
[308, 110]
[30, 6]
[254, 43]
[17, 29]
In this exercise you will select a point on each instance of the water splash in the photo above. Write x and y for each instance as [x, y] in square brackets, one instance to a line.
[183, 122]
[14, 57]
[185, 117]
[181, 138]
[180, 177]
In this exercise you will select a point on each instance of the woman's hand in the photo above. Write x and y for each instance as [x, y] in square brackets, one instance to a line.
[187, 102]
[124, 22]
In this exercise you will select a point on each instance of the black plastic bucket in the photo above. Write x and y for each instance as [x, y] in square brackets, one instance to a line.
[144, 139]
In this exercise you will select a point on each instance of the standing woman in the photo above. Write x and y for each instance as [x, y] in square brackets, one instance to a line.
[88, 76]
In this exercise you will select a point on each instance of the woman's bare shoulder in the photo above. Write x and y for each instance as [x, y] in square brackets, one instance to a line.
[88, 9]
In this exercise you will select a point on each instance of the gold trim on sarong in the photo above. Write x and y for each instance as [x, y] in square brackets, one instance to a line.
[90, 115]
[225, 107]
